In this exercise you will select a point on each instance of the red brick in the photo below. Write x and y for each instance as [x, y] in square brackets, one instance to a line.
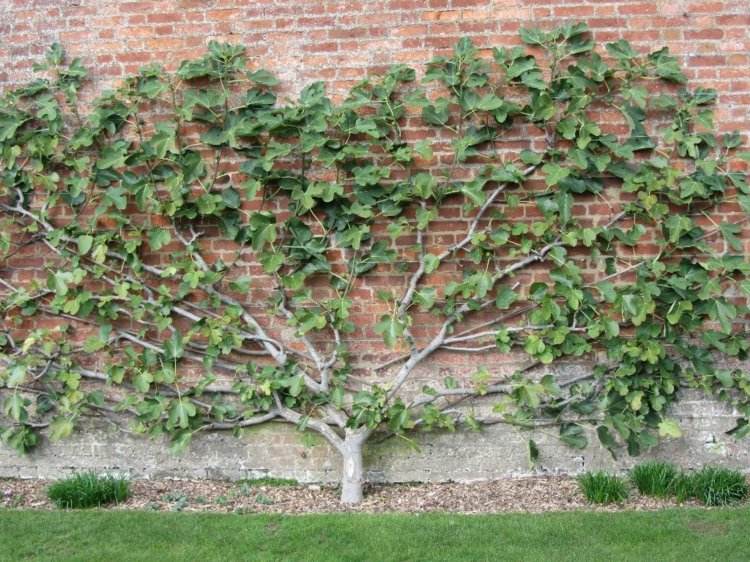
[707, 60]
[574, 11]
[704, 34]
[133, 57]
[137, 7]
[641, 8]
[167, 17]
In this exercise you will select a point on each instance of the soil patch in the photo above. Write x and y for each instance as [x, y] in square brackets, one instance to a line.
[535, 494]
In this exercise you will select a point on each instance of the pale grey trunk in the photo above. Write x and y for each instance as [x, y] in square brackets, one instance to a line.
[353, 476]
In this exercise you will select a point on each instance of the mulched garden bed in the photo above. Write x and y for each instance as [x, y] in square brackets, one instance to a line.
[535, 494]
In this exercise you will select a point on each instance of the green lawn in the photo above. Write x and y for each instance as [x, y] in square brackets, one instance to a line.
[679, 534]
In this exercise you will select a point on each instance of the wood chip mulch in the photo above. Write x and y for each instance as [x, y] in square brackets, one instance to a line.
[534, 494]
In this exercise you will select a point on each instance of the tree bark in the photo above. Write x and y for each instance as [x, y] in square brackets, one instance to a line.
[353, 473]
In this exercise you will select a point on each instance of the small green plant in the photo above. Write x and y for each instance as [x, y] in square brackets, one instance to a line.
[88, 489]
[178, 500]
[600, 487]
[262, 499]
[244, 490]
[719, 486]
[222, 501]
[268, 481]
[173, 496]
[655, 478]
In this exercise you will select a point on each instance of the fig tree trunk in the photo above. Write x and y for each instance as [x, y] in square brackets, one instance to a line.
[353, 474]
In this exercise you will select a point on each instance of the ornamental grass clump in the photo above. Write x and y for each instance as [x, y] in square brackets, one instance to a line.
[88, 489]
[655, 478]
[719, 486]
[600, 487]
[683, 487]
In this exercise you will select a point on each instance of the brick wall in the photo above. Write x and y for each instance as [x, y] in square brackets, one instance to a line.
[340, 42]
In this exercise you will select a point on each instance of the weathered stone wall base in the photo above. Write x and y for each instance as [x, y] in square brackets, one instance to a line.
[279, 450]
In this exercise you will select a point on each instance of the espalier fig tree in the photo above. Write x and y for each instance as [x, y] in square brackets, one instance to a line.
[188, 253]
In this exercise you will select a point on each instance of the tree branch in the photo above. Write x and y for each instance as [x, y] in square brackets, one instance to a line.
[419, 273]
